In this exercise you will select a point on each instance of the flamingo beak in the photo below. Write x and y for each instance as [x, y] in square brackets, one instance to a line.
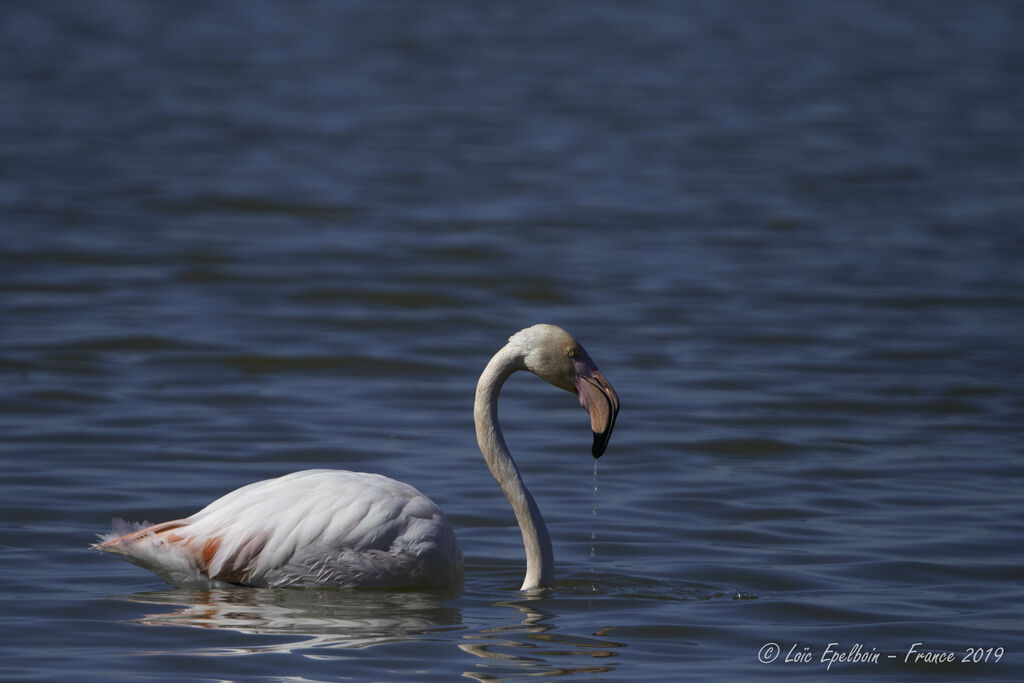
[599, 399]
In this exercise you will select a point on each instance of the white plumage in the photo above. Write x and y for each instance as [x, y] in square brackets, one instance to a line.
[309, 528]
[353, 529]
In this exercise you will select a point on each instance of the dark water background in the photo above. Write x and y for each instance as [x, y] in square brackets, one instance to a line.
[241, 239]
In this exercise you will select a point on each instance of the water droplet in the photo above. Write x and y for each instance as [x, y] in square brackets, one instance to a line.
[593, 512]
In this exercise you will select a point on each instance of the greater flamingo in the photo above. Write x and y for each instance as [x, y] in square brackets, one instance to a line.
[353, 529]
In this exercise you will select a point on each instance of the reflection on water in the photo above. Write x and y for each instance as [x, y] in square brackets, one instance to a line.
[526, 648]
[318, 618]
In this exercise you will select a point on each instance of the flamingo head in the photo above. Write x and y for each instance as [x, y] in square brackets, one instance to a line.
[554, 355]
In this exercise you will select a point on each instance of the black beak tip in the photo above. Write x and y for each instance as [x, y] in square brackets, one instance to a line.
[600, 443]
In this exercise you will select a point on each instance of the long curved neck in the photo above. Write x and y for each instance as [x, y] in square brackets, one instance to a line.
[540, 561]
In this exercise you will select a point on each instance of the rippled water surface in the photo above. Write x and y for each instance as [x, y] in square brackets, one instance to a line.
[242, 239]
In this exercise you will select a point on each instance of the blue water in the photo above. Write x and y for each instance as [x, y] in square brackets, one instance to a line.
[242, 239]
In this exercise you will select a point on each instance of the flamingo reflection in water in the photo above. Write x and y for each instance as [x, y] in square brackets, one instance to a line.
[317, 623]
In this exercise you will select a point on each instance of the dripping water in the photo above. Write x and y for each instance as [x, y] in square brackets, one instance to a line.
[593, 531]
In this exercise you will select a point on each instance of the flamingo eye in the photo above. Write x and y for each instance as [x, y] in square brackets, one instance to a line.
[572, 353]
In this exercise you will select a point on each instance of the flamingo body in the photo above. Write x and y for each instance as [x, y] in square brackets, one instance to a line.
[308, 528]
[352, 529]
